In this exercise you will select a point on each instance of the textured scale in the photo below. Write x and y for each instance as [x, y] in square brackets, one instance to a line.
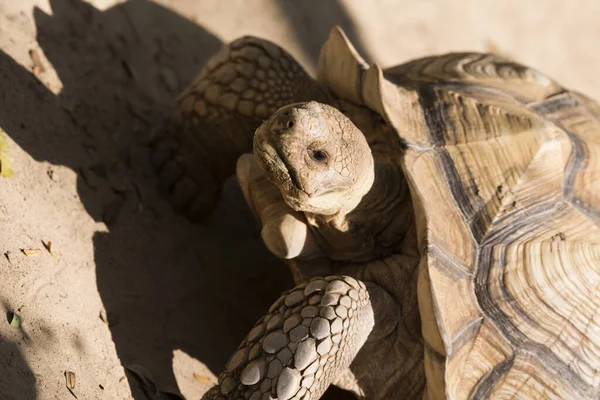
[236, 76]
[295, 363]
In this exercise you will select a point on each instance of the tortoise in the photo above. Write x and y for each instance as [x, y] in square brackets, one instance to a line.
[441, 218]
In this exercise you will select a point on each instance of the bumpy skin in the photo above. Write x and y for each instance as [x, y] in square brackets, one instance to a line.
[243, 84]
[310, 335]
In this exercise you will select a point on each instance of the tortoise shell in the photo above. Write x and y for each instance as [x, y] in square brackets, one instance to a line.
[504, 169]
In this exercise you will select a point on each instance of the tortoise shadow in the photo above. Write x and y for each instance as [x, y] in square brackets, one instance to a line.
[166, 284]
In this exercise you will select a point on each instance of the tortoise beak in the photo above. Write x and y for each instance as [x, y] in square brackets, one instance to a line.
[274, 162]
[276, 145]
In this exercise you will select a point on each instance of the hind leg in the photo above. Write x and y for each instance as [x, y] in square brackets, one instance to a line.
[244, 83]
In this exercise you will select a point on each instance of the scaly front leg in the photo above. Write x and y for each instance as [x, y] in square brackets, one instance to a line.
[309, 337]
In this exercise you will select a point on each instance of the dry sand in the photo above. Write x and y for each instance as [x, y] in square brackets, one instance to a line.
[179, 297]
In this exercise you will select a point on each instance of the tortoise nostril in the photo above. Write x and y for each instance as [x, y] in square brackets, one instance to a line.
[282, 124]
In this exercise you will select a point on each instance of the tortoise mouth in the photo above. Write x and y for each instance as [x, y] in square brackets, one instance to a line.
[278, 168]
[290, 171]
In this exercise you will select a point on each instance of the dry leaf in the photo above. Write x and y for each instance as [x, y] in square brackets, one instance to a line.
[103, 317]
[123, 379]
[70, 381]
[114, 318]
[31, 252]
[201, 378]
[48, 247]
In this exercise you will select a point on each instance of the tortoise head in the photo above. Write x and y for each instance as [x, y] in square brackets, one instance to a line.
[318, 158]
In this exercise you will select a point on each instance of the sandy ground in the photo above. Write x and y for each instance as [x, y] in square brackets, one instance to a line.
[81, 84]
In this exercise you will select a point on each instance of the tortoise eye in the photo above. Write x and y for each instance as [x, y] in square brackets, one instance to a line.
[320, 156]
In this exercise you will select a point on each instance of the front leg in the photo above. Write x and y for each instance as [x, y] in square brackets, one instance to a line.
[309, 337]
[284, 231]
[244, 83]
[360, 333]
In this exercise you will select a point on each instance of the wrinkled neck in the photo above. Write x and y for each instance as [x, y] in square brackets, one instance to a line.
[388, 194]
[376, 227]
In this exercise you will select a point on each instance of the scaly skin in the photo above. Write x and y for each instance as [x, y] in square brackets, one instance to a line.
[310, 335]
[244, 83]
